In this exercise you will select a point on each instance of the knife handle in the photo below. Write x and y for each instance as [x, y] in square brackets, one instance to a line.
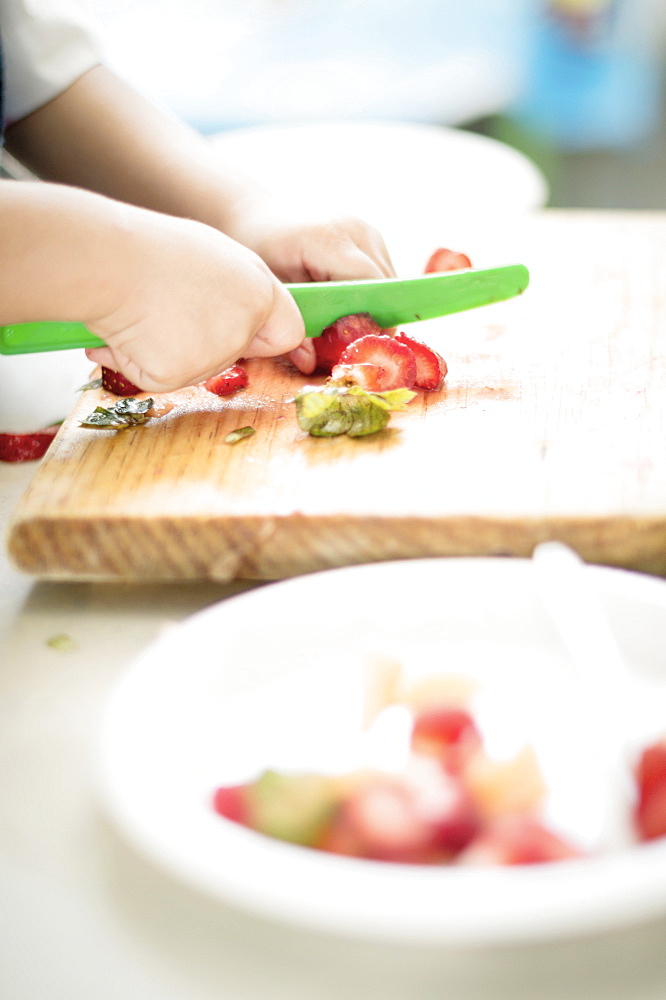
[32, 338]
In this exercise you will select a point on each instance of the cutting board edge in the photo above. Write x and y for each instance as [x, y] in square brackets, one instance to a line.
[259, 548]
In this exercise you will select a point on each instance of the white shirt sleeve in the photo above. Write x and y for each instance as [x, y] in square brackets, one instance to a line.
[46, 46]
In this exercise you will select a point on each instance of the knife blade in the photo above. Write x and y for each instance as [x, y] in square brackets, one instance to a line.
[390, 301]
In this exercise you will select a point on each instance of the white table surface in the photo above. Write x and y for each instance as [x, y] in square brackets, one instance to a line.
[83, 917]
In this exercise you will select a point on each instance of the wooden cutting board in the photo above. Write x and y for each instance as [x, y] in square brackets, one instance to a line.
[552, 424]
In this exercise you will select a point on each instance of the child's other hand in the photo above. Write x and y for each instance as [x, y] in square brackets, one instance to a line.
[300, 250]
[185, 302]
[342, 249]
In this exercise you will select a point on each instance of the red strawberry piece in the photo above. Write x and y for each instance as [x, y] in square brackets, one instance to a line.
[231, 802]
[230, 380]
[446, 804]
[517, 840]
[650, 813]
[336, 337]
[380, 820]
[446, 260]
[419, 817]
[116, 383]
[377, 363]
[431, 368]
[26, 447]
[448, 734]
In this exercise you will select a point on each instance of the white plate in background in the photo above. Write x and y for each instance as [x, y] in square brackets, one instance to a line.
[273, 677]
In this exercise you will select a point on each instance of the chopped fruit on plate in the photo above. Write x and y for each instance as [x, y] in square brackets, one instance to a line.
[448, 734]
[499, 787]
[431, 368]
[231, 802]
[435, 809]
[442, 260]
[421, 816]
[650, 810]
[377, 363]
[230, 380]
[518, 839]
[26, 447]
[339, 335]
[291, 807]
[116, 383]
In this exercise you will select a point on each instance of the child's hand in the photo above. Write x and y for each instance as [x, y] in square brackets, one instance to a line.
[186, 302]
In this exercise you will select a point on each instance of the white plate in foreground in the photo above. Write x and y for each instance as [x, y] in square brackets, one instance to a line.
[273, 677]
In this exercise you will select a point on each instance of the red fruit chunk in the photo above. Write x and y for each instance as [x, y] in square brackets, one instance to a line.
[650, 813]
[336, 337]
[446, 260]
[517, 840]
[448, 734]
[431, 368]
[26, 447]
[231, 802]
[380, 821]
[421, 817]
[230, 380]
[116, 383]
[377, 363]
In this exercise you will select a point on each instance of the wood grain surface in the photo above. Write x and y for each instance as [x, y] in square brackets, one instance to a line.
[552, 424]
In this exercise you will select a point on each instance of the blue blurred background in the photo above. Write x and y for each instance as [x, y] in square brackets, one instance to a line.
[578, 85]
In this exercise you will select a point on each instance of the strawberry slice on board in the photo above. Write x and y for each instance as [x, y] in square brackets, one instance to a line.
[431, 368]
[336, 337]
[442, 260]
[230, 380]
[26, 447]
[116, 383]
[377, 363]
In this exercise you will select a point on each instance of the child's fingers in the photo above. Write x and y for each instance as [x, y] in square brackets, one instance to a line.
[304, 357]
[102, 356]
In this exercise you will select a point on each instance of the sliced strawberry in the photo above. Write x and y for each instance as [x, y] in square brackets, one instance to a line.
[446, 260]
[26, 447]
[517, 840]
[336, 337]
[377, 363]
[650, 814]
[431, 368]
[116, 383]
[230, 380]
[448, 734]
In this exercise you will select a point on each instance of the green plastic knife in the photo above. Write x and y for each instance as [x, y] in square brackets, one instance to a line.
[390, 301]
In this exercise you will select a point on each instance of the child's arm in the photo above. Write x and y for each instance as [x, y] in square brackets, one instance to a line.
[175, 300]
[100, 134]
